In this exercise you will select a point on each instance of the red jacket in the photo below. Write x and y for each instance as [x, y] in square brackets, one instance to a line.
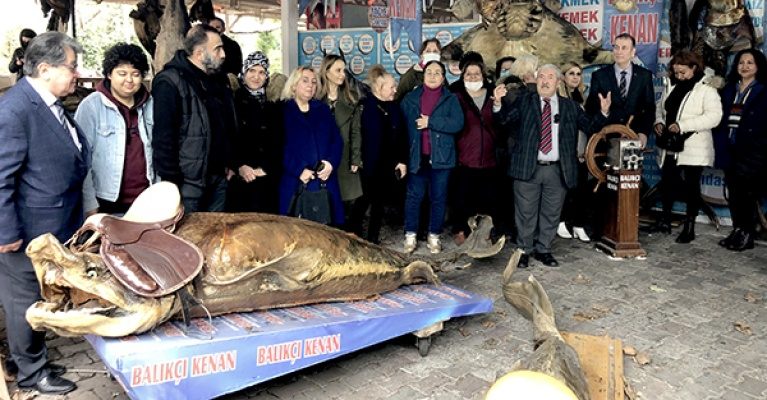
[476, 144]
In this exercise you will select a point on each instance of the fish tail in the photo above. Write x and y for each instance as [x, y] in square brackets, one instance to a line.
[530, 300]
[420, 271]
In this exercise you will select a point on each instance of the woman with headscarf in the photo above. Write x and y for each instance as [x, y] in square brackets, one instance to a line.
[258, 147]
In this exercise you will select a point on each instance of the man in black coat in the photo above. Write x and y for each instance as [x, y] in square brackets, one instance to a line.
[631, 88]
[194, 121]
[233, 61]
[544, 158]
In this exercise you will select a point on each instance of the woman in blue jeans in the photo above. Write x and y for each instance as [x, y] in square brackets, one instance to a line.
[433, 118]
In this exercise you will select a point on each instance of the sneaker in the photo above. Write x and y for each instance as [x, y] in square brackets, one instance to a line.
[433, 243]
[410, 242]
[580, 233]
[563, 232]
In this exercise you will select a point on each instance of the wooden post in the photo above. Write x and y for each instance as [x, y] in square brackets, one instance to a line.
[621, 235]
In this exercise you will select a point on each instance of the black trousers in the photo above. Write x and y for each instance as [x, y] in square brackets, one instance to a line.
[19, 290]
[680, 182]
[578, 202]
[744, 191]
[473, 192]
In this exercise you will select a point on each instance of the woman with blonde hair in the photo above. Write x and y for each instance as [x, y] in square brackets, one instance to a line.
[313, 146]
[384, 150]
[575, 210]
[338, 93]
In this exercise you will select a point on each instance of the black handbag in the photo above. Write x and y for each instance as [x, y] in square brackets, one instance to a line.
[311, 205]
[670, 141]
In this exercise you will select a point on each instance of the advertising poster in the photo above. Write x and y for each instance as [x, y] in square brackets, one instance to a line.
[359, 45]
[640, 19]
[586, 15]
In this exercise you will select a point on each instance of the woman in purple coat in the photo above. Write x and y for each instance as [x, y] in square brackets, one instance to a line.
[313, 144]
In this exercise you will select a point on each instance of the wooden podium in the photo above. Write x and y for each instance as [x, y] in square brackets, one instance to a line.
[621, 235]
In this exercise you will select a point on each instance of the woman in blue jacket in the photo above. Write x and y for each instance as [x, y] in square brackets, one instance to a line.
[313, 144]
[433, 118]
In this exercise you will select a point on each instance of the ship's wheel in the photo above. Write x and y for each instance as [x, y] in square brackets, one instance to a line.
[596, 149]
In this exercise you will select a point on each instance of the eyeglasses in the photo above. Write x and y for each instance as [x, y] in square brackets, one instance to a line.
[72, 68]
[574, 73]
[429, 73]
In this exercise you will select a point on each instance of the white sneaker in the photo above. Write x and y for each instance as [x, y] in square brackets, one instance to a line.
[580, 233]
[563, 232]
[433, 243]
[410, 242]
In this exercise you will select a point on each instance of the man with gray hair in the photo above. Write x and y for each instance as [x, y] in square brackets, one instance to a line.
[44, 159]
[543, 157]
[194, 121]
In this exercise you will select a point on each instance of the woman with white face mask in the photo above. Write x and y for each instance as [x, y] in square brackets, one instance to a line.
[413, 78]
[475, 176]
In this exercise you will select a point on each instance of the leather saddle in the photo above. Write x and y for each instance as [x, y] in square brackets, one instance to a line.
[139, 248]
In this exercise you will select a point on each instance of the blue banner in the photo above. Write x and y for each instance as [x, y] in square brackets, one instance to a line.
[249, 348]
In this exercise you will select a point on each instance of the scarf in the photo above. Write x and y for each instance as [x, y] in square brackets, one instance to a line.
[256, 58]
[429, 99]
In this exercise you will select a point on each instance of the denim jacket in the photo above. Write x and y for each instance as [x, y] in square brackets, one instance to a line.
[105, 130]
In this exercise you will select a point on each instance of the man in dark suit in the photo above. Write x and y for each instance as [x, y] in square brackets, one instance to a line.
[544, 158]
[631, 88]
[633, 96]
[44, 158]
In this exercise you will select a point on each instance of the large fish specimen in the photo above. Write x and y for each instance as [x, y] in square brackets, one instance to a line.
[524, 27]
[252, 262]
[552, 355]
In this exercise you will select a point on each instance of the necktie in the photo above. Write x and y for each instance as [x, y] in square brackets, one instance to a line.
[545, 146]
[61, 115]
[622, 86]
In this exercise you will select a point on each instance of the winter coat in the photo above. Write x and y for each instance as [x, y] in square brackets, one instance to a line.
[384, 138]
[445, 122]
[476, 144]
[310, 138]
[748, 155]
[348, 118]
[699, 112]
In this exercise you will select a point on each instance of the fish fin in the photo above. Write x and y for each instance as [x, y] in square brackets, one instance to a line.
[418, 271]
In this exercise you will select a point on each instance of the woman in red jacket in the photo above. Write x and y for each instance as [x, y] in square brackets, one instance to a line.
[475, 176]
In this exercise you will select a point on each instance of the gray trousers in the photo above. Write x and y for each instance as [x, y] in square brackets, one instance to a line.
[19, 290]
[537, 208]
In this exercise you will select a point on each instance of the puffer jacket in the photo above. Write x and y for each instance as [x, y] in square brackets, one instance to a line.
[700, 112]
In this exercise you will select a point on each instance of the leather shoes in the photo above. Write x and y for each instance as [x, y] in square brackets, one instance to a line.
[546, 259]
[524, 261]
[742, 241]
[53, 384]
[729, 239]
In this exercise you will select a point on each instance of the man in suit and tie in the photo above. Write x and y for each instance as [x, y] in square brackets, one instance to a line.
[631, 88]
[544, 158]
[632, 96]
[44, 159]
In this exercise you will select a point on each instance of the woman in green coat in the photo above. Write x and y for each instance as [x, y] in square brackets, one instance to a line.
[344, 100]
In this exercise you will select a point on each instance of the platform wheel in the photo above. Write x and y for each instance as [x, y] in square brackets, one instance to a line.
[423, 345]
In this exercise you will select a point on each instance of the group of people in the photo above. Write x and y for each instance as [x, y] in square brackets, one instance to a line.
[474, 146]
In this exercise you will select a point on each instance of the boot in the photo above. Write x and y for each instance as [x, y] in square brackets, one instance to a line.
[688, 231]
[729, 239]
[743, 241]
[563, 232]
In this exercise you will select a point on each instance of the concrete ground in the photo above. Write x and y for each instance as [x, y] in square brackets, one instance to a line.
[698, 311]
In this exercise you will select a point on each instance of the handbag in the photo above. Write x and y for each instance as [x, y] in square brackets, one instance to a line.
[670, 141]
[311, 205]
